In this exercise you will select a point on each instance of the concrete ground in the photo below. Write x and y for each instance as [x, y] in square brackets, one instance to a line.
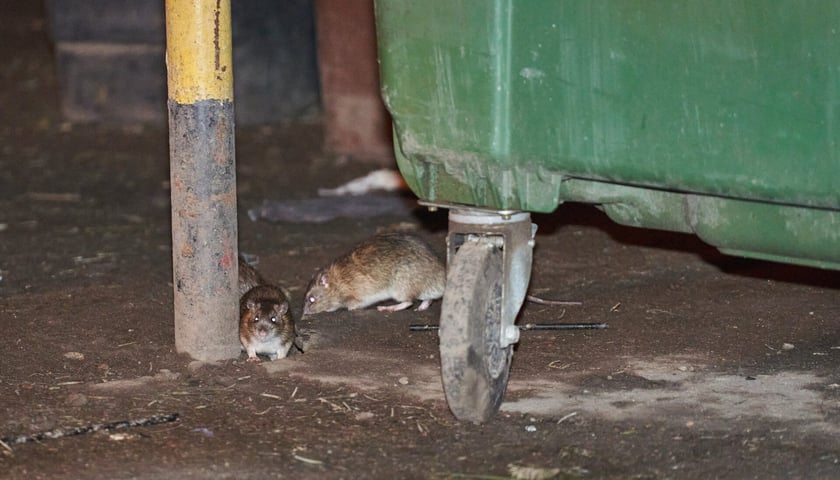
[712, 366]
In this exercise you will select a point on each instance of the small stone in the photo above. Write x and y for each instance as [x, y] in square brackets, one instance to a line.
[403, 380]
[166, 375]
[225, 381]
[74, 355]
[787, 346]
[530, 428]
[364, 416]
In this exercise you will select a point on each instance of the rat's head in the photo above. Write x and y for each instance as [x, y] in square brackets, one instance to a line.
[264, 318]
[321, 295]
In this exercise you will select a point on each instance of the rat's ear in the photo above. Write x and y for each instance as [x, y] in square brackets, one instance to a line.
[250, 304]
[282, 309]
[323, 280]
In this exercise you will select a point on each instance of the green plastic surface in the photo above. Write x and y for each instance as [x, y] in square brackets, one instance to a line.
[727, 111]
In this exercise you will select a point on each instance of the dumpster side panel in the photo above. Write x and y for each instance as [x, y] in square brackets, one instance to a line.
[721, 97]
[727, 97]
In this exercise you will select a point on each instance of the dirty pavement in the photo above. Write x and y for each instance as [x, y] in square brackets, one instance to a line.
[712, 366]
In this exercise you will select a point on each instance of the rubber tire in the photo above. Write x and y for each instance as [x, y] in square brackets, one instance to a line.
[474, 368]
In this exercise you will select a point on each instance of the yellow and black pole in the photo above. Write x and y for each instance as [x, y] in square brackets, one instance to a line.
[203, 177]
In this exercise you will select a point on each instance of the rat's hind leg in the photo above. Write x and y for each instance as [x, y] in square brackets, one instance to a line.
[424, 305]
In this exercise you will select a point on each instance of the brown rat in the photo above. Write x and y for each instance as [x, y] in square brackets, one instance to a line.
[266, 325]
[397, 266]
[249, 277]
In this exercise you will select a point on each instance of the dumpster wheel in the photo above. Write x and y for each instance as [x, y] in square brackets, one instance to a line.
[474, 366]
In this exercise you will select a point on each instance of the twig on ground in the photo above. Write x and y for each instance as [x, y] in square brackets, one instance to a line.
[542, 301]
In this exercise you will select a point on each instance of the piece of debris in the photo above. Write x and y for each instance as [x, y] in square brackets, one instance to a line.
[203, 430]
[527, 327]
[519, 472]
[361, 416]
[403, 380]
[787, 346]
[71, 431]
[74, 355]
[566, 417]
[384, 179]
[530, 428]
[543, 301]
[310, 461]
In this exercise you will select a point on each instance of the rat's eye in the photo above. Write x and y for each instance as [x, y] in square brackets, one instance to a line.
[311, 299]
[256, 318]
[273, 319]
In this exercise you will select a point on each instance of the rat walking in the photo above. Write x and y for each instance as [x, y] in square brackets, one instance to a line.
[397, 266]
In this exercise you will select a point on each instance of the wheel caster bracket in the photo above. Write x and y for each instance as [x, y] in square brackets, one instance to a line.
[513, 233]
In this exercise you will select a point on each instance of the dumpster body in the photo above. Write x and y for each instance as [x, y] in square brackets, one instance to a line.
[732, 105]
[719, 118]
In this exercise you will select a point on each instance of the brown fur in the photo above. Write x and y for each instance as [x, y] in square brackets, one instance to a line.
[266, 325]
[259, 302]
[395, 266]
[249, 277]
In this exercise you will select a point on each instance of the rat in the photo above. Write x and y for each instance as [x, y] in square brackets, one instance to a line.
[266, 325]
[397, 266]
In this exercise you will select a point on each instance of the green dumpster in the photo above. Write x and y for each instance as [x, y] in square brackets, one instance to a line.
[719, 118]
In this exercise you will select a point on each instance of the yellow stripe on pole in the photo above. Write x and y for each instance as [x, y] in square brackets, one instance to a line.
[198, 50]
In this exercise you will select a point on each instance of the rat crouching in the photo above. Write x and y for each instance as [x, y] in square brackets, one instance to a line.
[266, 325]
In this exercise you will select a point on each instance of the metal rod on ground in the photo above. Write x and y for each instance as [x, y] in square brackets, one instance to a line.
[529, 326]
[203, 179]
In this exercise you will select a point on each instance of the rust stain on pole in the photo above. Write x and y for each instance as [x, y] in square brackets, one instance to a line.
[203, 178]
[217, 14]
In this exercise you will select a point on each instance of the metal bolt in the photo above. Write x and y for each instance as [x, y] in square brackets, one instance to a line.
[433, 208]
